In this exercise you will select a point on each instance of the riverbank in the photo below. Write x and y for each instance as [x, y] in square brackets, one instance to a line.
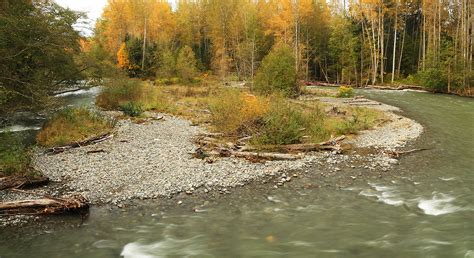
[154, 160]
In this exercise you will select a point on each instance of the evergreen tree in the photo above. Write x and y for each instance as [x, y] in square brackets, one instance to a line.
[186, 64]
[277, 73]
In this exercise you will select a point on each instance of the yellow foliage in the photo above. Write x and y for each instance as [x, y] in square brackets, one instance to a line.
[234, 112]
[122, 57]
[253, 107]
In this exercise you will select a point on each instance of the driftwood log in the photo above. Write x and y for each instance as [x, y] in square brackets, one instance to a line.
[93, 140]
[211, 147]
[397, 154]
[399, 87]
[22, 181]
[256, 156]
[330, 145]
[45, 206]
[379, 87]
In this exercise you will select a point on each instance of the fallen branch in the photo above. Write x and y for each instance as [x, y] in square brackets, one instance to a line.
[333, 141]
[265, 155]
[22, 181]
[93, 140]
[45, 206]
[397, 154]
[149, 119]
[95, 151]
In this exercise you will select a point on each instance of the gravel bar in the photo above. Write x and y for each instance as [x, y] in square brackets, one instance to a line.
[149, 161]
[153, 160]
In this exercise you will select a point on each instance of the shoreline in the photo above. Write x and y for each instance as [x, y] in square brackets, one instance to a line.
[153, 161]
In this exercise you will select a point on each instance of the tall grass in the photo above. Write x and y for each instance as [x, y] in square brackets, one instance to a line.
[120, 93]
[14, 157]
[73, 125]
[276, 120]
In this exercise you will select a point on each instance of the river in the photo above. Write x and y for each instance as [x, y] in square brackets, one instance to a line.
[424, 207]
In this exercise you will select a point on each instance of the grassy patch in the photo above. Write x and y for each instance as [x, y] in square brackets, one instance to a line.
[14, 157]
[72, 125]
[355, 120]
[270, 120]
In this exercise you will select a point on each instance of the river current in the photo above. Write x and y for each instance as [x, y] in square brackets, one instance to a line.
[423, 208]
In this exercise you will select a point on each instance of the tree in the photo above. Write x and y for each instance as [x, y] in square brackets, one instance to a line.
[122, 57]
[37, 48]
[277, 73]
[186, 64]
[166, 64]
[342, 46]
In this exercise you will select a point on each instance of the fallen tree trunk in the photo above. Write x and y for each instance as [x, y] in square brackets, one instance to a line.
[333, 141]
[93, 140]
[330, 145]
[22, 181]
[45, 206]
[397, 154]
[265, 155]
[293, 148]
[398, 87]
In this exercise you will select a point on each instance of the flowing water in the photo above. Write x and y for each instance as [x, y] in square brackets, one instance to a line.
[427, 211]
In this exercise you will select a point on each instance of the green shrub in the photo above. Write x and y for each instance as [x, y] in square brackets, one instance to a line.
[186, 64]
[345, 92]
[283, 124]
[132, 109]
[433, 79]
[167, 64]
[73, 125]
[277, 73]
[120, 91]
[14, 157]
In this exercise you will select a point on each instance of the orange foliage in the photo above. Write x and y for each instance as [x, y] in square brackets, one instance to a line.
[122, 57]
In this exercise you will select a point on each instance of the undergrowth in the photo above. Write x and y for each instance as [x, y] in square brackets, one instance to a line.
[73, 125]
[269, 120]
[14, 156]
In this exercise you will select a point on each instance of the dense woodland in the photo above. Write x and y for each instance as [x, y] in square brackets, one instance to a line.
[352, 42]
[365, 42]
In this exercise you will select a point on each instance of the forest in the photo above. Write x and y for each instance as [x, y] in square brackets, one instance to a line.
[365, 42]
[357, 43]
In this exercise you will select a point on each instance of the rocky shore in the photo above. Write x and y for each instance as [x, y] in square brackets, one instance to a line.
[154, 160]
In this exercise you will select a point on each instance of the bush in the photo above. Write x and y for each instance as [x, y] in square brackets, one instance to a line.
[120, 91]
[73, 125]
[14, 157]
[433, 79]
[132, 109]
[277, 73]
[284, 124]
[186, 64]
[345, 92]
[167, 64]
[237, 113]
